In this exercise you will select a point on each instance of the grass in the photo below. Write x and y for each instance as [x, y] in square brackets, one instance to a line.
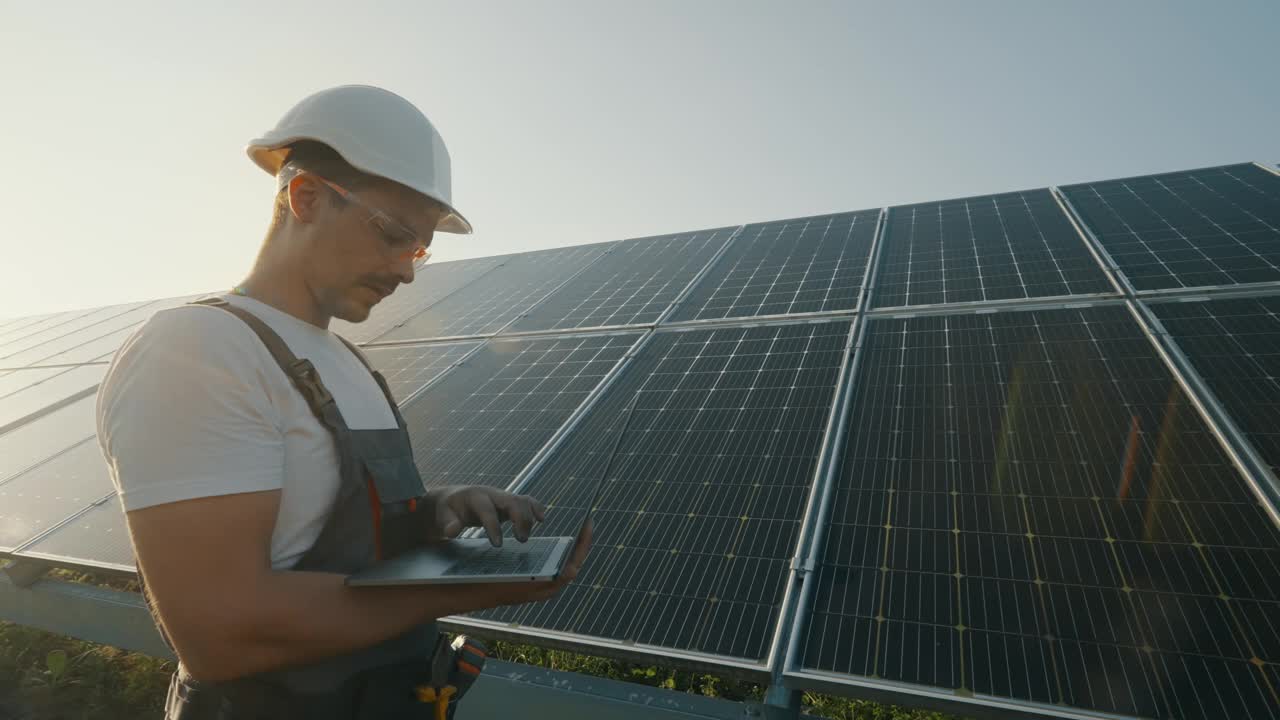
[44, 676]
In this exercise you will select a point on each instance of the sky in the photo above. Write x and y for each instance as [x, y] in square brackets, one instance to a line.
[123, 175]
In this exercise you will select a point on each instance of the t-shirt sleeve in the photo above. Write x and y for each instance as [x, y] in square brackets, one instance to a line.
[185, 412]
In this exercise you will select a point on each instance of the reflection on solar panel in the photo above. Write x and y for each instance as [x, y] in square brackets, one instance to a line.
[25, 392]
[633, 284]
[1027, 506]
[43, 326]
[1216, 226]
[42, 497]
[53, 340]
[430, 285]
[487, 418]
[408, 368]
[696, 529]
[1235, 346]
[98, 538]
[45, 436]
[487, 305]
[38, 346]
[791, 266]
[996, 247]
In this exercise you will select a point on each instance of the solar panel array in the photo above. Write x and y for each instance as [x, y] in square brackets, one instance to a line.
[1031, 508]
[928, 452]
[697, 522]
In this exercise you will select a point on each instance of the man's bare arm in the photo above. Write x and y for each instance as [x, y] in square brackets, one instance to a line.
[207, 564]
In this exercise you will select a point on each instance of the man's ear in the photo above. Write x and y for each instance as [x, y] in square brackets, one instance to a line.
[304, 197]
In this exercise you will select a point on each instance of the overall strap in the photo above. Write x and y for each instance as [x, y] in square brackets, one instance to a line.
[377, 376]
[301, 372]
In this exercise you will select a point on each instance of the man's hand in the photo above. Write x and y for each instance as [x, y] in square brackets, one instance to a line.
[523, 592]
[477, 506]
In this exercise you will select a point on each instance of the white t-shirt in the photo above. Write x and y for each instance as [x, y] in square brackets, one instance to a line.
[194, 405]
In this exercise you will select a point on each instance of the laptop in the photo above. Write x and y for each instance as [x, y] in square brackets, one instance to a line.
[474, 560]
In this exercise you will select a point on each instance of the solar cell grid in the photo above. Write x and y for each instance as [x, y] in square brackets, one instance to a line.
[1026, 505]
[51, 341]
[695, 530]
[1234, 346]
[488, 304]
[98, 538]
[484, 421]
[1215, 226]
[995, 247]
[408, 368]
[26, 392]
[792, 266]
[44, 324]
[42, 497]
[45, 436]
[633, 284]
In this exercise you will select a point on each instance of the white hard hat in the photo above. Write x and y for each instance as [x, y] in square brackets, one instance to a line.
[377, 132]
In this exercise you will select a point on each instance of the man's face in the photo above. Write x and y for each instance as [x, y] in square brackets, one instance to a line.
[362, 247]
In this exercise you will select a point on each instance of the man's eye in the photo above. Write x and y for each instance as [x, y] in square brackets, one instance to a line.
[392, 235]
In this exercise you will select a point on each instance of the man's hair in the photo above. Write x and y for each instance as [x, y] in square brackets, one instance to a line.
[318, 158]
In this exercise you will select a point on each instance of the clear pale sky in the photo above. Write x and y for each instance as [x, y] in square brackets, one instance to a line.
[123, 175]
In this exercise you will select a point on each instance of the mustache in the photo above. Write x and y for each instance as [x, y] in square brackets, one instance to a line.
[386, 285]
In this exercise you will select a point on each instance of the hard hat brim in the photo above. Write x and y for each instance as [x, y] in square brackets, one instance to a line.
[270, 156]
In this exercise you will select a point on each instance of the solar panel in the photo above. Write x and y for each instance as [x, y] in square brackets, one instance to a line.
[487, 305]
[408, 368]
[98, 538]
[44, 324]
[44, 496]
[484, 421]
[633, 284]
[45, 436]
[25, 392]
[1215, 226]
[1028, 507]
[16, 327]
[1235, 347]
[803, 265]
[695, 531]
[431, 284]
[995, 247]
[55, 339]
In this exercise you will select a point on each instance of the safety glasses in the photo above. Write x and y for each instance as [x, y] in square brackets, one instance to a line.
[399, 243]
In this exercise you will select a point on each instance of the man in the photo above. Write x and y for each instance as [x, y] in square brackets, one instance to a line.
[259, 461]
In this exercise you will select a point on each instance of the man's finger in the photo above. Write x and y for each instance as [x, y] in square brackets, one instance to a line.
[448, 521]
[483, 510]
[519, 513]
[539, 510]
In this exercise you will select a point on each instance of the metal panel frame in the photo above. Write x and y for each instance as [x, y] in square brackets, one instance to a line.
[121, 619]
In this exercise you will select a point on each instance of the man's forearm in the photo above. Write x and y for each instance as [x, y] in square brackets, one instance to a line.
[304, 617]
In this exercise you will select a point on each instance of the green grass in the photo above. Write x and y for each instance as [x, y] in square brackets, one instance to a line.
[44, 676]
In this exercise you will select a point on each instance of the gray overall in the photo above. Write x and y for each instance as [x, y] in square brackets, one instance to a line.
[380, 511]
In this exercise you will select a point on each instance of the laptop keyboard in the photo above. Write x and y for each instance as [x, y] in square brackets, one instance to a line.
[513, 558]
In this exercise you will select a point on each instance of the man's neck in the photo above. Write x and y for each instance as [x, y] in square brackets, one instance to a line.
[286, 294]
